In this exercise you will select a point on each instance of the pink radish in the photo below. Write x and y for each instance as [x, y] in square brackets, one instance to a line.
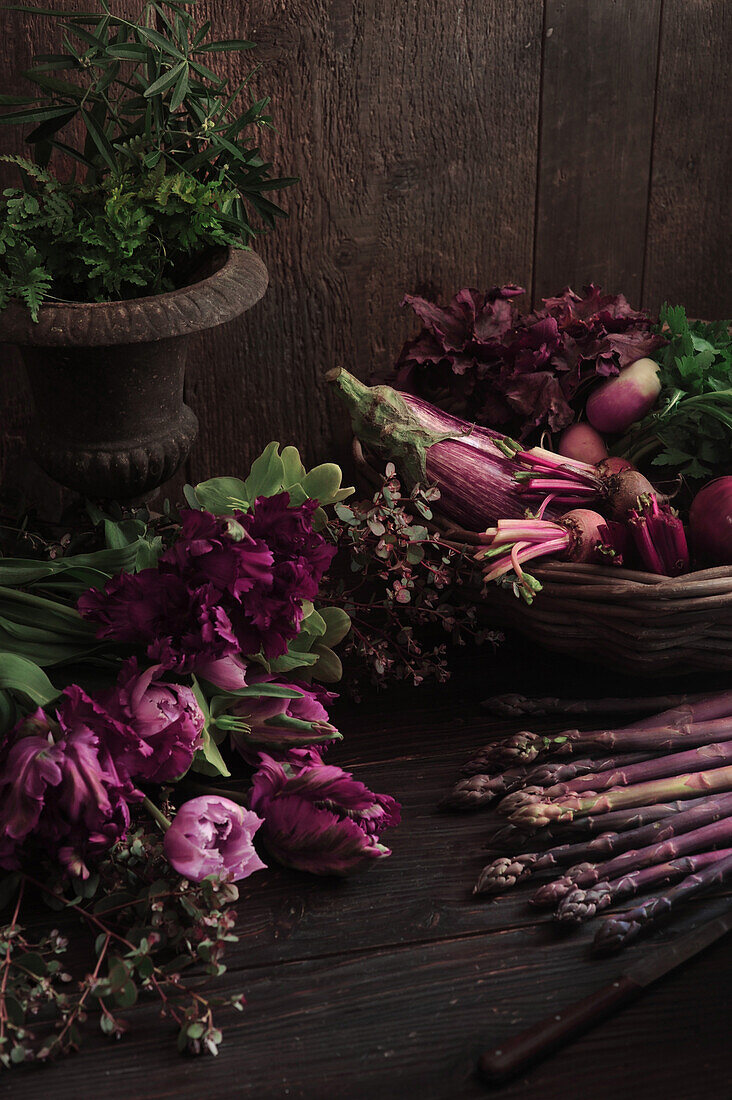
[620, 401]
[582, 442]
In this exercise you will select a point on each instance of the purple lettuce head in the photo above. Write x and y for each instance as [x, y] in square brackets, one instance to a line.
[229, 585]
[318, 818]
[66, 794]
[478, 359]
[165, 718]
[213, 836]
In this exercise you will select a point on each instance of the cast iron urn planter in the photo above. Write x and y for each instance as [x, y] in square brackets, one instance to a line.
[107, 377]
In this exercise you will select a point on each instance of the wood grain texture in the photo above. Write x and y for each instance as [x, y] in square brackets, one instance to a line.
[690, 213]
[596, 131]
[413, 127]
[394, 982]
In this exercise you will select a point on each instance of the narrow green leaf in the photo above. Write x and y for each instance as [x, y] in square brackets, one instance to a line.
[201, 34]
[180, 91]
[50, 127]
[207, 758]
[165, 81]
[128, 51]
[100, 140]
[224, 45]
[255, 691]
[160, 41]
[37, 115]
[26, 680]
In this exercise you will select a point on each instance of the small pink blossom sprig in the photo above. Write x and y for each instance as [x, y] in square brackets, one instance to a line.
[399, 581]
[141, 914]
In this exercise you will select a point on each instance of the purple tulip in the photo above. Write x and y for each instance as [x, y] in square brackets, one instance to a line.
[213, 836]
[228, 673]
[318, 818]
[165, 717]
[285, 723]
[66, 793]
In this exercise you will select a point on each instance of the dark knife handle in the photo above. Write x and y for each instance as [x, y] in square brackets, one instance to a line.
[496, 1066]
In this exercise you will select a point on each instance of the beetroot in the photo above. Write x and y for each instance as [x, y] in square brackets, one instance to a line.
[710, 522]
[569, 481]
[614, 465]
[581, 535]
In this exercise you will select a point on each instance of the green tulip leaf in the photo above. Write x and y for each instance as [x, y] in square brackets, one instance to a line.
[24, 679]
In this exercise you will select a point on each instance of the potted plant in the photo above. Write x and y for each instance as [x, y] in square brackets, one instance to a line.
[141, 237]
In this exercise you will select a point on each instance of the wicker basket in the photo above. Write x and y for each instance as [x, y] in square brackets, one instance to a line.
[635, 623]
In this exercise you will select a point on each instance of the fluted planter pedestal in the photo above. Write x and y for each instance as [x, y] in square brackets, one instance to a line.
[107, 378]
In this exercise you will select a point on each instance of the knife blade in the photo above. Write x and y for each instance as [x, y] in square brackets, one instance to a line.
[531, 1045]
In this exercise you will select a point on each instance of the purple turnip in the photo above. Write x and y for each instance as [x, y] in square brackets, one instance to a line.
[619, 402]
[582, 442]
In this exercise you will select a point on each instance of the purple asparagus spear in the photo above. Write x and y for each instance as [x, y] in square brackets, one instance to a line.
[479, 791]
[617, 932]
[659, 767]
[688, 785]
[581, 905]
[524, 747]
[503, 873]
[515, 705]
[716, 835]
[568, 831]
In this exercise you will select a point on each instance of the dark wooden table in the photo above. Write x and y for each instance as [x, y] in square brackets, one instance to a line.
[390, 985]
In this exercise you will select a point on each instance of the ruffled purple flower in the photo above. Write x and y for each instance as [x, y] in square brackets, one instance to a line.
[165, 718]
[213, 836]
[229, 585]
[64, 793]
[177, 624]
[301, 557]
[218, 551]
[318, 818]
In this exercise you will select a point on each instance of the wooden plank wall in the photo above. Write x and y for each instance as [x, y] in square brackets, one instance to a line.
[441, 145]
